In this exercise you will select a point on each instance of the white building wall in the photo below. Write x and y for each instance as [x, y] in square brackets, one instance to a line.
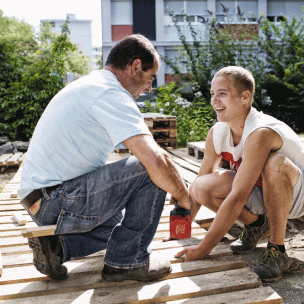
[167, 39]
[294, 7]
[80, 34]
[121, 12]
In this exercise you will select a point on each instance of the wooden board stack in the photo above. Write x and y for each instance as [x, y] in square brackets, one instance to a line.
[163, 128]
[10, 159]
[223, 278]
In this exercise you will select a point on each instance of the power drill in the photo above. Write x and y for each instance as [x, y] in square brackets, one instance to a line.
[180, 223]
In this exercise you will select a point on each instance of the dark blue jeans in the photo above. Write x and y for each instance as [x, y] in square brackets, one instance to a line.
[117, 207]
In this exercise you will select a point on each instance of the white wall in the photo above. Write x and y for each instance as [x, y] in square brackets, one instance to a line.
[122, 12]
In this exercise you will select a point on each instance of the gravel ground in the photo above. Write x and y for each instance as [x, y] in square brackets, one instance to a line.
[291, 286]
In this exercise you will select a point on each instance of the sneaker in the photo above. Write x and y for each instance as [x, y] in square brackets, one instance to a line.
[249, 238]
[155, 270]
[47, 253]
[271, 265]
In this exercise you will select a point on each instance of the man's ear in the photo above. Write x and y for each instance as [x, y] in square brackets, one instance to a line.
[136, 66]
[246, 96]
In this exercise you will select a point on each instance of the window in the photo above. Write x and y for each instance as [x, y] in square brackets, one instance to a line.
[192, 18]
[275, 18]
[179, 18]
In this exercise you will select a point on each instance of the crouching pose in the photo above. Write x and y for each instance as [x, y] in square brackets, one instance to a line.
[266, 185]
[67, 182]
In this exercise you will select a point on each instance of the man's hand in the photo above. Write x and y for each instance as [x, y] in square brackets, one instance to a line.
[184, 203]
[192, 253]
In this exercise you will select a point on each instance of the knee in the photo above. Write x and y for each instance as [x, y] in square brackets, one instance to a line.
[275, 166]
[198, 190]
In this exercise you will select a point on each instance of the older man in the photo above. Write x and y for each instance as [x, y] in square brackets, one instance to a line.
[66, 181]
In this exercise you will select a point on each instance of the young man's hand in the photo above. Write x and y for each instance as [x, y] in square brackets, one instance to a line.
[192, 253]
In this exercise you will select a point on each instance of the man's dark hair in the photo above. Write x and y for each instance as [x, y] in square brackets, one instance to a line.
[130, 48]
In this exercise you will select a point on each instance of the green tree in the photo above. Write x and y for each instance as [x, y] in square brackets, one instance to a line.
[218, 46]
[282, 46]
[276, 59]
[22, 34]
[16, 31]
[75, 61]
[26, 93]
[33, 47]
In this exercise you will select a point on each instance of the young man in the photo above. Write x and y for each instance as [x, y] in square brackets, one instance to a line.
[66, 181]
[266, 186]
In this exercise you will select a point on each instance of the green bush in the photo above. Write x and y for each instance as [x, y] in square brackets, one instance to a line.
[275, 58]
[194, 116]
[283, 79]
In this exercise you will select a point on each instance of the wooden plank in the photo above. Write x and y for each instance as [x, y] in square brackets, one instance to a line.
[167, 250]
[10, 201]
[18, 240]
[19, 218]
[252, 296]
[13, 241]
[158, 116]
[8, 234]
[4, 158]
[265, 295]
[90, 266]
[49, 230]
[21, 159]
[38, 231]
[16, 250]
[10, 213]
[183, 154]
[12, 219]
[10, 186]
[14, 227]
[199, 232]
[17, 260]
[14, 159]
[7, 197]
[187, 175]
[184, 164]
[196, 148]
[169, 289]
[14, 194]
[1, 265]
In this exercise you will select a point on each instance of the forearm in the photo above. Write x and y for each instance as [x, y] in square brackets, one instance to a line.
[226, 216]
[160, 167]
[166, 176]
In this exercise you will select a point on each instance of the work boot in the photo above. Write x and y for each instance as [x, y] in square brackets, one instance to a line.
[249, 238]
[155, 270]
[271, 265]
[47, 251]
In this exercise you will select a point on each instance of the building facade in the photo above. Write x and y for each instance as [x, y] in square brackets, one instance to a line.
[151, 18]
[80, 34]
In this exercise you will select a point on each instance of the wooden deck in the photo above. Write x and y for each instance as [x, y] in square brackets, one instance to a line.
[223, 278]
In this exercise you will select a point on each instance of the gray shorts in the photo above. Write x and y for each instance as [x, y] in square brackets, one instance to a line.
[256, 205]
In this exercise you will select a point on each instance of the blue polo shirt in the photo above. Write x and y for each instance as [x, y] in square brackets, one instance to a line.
[82, 124]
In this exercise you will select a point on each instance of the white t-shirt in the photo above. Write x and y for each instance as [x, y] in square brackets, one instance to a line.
[82, 124]
[223, 142]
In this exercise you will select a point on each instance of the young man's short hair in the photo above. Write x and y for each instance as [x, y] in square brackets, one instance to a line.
[242, 78]
[130, 48]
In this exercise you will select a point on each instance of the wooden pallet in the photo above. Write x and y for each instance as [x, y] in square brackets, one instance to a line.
[163, 128]
[11, 160]
[197, 149]
[223, 278]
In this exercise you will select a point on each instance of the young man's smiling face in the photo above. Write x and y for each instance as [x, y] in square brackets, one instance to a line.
[226, 100]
